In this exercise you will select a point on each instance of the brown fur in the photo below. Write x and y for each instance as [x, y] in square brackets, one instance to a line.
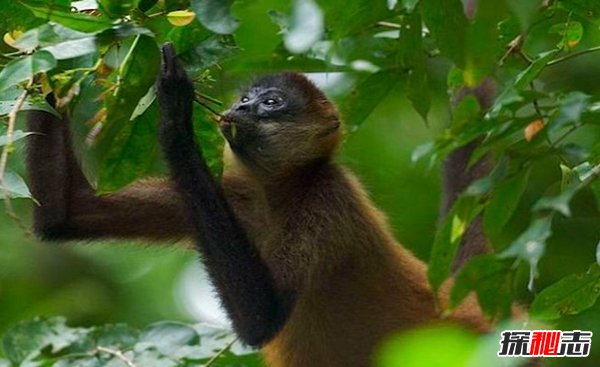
[356, 284]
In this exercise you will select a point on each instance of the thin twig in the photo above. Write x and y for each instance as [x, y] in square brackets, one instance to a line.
[389, 25]
[210, 109]
[566, 133]
[512, 47]
[209, 98]
[592, 175]
[12, 119]
[572, 55]
[220, 353]
[118, 354]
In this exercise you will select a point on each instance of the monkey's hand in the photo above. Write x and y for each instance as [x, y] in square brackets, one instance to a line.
[175, 94]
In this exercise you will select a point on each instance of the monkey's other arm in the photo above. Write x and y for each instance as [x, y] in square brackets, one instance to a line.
[69, 209]
[257, 309]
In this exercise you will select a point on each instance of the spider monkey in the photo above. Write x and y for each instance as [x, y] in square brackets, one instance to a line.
[304, 264]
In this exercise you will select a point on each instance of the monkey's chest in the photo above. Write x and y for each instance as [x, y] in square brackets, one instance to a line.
[342, 324]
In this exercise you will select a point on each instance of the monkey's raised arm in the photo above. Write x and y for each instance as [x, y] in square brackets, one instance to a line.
[248, 293]
[68, 207]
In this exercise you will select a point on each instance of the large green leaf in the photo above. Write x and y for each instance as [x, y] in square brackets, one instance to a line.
[527, 76]
[491, 279]
[215, 15]
[483, 44]
[77, 21]
[72, 48]
[137, 74]
[366, 95]
[411, 49]
[504, 202]
[448, 25]
[14, 184]
[17, 135]
[568, 296]
[25, 68]
[133, 151]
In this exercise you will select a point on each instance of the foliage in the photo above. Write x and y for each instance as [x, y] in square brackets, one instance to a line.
[101, 59]
[50, 342]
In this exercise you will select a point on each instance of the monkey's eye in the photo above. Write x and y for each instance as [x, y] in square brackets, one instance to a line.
[245, 99]
[271, 102]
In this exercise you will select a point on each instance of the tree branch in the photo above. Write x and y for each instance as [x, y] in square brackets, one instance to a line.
[118, 354]
[12, 119]
[220, 353]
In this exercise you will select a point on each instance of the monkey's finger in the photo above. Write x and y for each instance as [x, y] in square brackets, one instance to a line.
[168, 57]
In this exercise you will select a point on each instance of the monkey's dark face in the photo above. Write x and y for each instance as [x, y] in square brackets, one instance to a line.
[281, 118]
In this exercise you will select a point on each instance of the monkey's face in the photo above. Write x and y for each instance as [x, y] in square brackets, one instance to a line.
[282, 120]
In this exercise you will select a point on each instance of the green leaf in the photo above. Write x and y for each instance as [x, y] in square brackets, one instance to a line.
[570, 32]
[559, 203]
[467, 111]
[26, 340]
[504, 201]
[531, 245]
[16, 186]
[144, 103]
[117, 8]
[572, 106]
[34, 38]
[215, 15]
[137, 74]
[483, 44]
[133, 151]
[25, 68]
[568, 296]
[169, 337]
[524, 10]
[306, 26]
[588, 9]
[77, 21]
[411, 50]
[366, 95]
[17, 135]
[491, 278]
[448, 25]
[210, 51]
[528, 75]
[7, 106]
[448, 237]
[484, 185]
[72, 48]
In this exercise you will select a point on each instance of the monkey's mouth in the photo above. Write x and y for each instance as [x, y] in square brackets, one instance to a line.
[228, 128]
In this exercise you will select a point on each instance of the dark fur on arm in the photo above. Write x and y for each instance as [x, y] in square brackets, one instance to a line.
[69, 208]
[243, 281]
